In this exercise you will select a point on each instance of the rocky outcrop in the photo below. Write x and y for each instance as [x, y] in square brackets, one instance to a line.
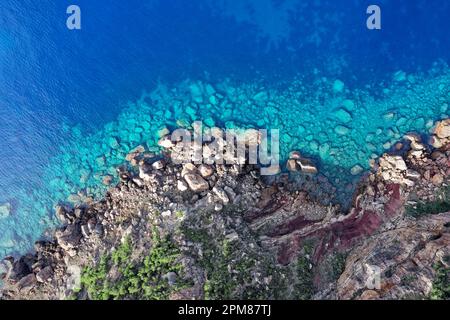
[264, 237]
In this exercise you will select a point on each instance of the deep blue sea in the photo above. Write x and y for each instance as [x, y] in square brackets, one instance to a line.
[73, 102]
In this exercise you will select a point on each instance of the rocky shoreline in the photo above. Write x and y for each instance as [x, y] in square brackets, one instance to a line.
[172, 231]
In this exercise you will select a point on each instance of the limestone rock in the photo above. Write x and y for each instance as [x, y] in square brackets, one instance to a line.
[196, 182]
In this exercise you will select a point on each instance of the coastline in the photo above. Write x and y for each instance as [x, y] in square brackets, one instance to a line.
[223, 231]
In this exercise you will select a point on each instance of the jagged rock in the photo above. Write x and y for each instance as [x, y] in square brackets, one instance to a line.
[307, 166]
[196, 182]
[221, 194]
[394, 162]
[436, 142]
[138, 181]
[166, 142]
[171, 278]
[21, 268]
[181, 185]
[343, 115]
[205, 170]
[45, 275]
[27, 283]
[357, 169]
[158, 165]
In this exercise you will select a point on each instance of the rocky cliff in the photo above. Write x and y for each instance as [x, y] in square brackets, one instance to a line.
[172, 231]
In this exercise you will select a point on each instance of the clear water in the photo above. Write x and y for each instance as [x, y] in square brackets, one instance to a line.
[73, 103]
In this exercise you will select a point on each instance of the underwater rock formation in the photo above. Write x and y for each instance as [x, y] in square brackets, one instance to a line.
[187, 231]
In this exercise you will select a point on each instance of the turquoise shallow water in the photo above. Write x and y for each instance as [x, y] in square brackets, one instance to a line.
[338, 126]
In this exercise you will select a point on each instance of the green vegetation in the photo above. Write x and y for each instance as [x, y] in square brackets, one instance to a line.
[117, 276]
[441, 284]
[442, 204]
[304, 288]
[231, 268]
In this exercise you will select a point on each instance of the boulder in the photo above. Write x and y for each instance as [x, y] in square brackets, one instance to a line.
[45, 275]
[196, 182]
[135, 152]
[307, 166]
[181, 185]
[221, 194]
[27, 283]
[343, 115]
[442, 129]
[355, 170]
[205, 170]
[158, 165]
[20, 268]
[69, 238]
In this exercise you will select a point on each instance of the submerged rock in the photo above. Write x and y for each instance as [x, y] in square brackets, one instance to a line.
[341, 130]
[357, 169]
[343, 115]
[5, 210]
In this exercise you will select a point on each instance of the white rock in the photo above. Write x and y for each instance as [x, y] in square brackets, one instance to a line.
[357, 169]
[181, 185]
[166, 213]
[196, 182]
[165, 142]
[205, 170]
